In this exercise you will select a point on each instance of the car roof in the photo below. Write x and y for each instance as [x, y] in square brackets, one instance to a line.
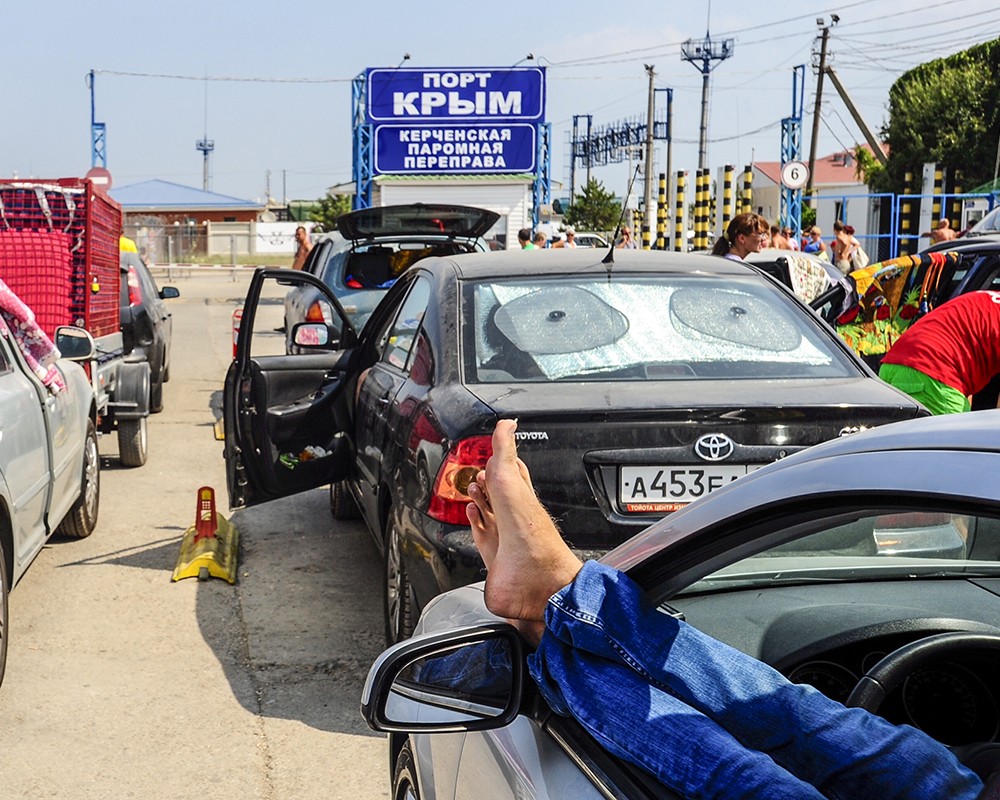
[966, 244]
[506, 263]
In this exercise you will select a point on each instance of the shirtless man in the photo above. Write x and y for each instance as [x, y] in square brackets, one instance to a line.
[778, 239]
[942, 233]
[304, 246]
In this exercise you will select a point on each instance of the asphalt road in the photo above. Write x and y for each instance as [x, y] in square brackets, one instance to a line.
[123, 684]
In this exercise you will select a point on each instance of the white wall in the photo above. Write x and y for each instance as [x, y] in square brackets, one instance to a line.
[278, 237]
[512, 201]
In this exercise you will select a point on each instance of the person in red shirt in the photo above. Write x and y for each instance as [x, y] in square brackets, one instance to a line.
[949, 355]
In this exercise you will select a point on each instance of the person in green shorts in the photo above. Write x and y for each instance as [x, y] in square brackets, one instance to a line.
[949, 355]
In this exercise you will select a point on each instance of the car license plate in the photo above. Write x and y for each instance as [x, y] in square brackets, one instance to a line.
[663, 489]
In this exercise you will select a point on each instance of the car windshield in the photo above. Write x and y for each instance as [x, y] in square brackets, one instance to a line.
[988, 224]
[871, 546]
[677, 327]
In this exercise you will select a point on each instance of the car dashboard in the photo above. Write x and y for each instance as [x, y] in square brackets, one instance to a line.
[828, 636]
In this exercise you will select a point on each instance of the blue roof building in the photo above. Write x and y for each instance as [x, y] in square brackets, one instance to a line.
[173, 201]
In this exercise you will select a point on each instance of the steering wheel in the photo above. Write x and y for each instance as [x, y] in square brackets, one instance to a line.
[888, 674]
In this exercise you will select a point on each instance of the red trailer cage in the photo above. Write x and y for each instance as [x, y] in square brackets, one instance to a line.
[59, 252]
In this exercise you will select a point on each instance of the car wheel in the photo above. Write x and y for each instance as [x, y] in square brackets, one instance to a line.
[404, 778]
[399, 604]
[132, 442]
[166, 372]
[342, 505]
[79, 523]
[156, 396]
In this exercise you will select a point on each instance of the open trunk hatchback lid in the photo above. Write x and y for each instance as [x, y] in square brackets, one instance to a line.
[418, 219]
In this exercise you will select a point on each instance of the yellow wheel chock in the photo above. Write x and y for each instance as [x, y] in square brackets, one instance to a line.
[210, 547]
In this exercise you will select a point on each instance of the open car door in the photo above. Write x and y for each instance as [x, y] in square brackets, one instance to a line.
[288, 418]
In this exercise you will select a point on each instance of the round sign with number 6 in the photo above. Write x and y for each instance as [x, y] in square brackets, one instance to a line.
[794, 175]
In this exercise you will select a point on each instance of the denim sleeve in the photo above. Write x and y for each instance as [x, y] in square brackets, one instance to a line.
[844, 753]
[646, 726]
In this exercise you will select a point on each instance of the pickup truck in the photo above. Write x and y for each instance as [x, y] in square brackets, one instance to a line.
[59, 252]
[49, 462]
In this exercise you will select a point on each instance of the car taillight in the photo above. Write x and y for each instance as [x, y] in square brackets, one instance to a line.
[319, 311]
[134, 288]
[451, 489]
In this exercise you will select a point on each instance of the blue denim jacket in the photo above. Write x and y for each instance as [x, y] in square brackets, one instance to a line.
[712, 722]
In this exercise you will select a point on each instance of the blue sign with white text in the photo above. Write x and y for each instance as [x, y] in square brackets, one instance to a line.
[455, 149]
[476, 94]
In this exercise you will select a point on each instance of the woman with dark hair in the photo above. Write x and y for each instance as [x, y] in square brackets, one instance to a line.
[747, 233]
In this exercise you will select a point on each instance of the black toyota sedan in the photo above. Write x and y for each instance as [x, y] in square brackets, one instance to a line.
[639, 385]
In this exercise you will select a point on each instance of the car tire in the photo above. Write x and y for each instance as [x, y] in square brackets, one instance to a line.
[132, 442]
[81, 519]
[404, 777]
[166, 373]
[156, 396]
[342, 505]
[397, 592]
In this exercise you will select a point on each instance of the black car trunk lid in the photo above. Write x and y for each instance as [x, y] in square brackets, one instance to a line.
[648, 448]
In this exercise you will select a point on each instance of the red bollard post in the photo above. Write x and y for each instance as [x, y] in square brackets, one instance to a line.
[205, 522]
[237, 318]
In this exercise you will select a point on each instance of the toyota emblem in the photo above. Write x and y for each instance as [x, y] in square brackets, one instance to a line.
[714, 447]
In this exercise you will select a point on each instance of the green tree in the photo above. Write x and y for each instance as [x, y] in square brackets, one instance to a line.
[595, 209]
[808, 217]
[330, 207]
[946, 111]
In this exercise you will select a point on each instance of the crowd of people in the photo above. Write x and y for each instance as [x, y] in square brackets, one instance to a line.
[554, 238]
[541, 240]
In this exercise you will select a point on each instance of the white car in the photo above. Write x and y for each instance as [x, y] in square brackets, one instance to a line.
[867, 567]
[49, 462]
[591, 240]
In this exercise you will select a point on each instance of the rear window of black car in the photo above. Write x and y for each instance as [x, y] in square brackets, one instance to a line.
[642, 328]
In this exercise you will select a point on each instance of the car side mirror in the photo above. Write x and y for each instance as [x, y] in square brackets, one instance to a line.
[169, 293]
[463, 679]
[75, 344]
[315, 334]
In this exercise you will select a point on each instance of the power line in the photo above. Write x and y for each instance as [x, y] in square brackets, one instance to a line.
[896, 14]
[230, 78]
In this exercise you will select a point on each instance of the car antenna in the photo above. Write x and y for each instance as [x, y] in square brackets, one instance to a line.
[609, 259]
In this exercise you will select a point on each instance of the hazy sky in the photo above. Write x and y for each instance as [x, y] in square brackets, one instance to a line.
[271, 83]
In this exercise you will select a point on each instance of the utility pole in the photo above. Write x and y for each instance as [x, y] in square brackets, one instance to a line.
[98, 132]
[647, 196]
[867, 132]
[205, 146]
[575, 146]
[825, 36]
[705, 51]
